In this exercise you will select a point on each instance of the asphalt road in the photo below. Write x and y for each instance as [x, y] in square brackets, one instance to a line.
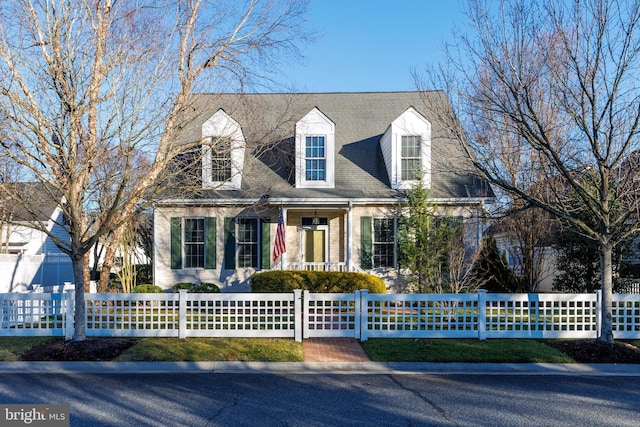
[183, 399]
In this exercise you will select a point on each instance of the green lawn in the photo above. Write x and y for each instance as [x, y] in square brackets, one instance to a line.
[462, 350]
[214, 349]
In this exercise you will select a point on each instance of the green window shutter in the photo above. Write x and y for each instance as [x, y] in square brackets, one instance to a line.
[176, 243]
[265, 245]
[210, 243]
[229, 244]
[366, 242]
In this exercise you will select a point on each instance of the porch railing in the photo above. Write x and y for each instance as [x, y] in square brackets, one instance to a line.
[316, 266]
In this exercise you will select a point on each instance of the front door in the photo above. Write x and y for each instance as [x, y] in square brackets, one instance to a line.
[314, 245]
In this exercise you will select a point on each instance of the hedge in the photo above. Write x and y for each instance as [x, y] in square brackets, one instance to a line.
[316, 281]
[196, 288]
[147, 288]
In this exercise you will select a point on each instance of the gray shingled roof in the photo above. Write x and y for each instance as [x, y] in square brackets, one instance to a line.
[27, 202]
[268, 120]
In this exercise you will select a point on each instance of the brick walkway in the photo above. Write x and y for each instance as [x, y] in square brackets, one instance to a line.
[333, 350]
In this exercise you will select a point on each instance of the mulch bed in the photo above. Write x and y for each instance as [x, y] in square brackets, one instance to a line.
[594, 351]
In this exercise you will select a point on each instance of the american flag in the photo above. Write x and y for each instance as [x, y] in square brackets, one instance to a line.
[279, 247]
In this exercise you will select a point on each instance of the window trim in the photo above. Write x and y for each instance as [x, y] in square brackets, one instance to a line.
[413, 159]
[231, 243]
[222, 156]
[393, 242]
[185, 244]
[257, 244]
[308, 158]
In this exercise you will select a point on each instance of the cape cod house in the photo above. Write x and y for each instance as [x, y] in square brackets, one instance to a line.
[334, 164]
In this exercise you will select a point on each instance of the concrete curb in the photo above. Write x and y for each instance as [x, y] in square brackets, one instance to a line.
[369, 368]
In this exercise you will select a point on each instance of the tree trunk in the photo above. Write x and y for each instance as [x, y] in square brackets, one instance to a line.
[86, 272]
[111, 247]
[77, 261]
[606, 324]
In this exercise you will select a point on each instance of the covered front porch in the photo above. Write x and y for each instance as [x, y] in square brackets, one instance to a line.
[317, 239]
[327, 234]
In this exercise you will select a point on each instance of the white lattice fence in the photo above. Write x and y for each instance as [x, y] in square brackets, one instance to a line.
[541, 316]
[626, 316]
[360, 315]
[32, 314]
[331, 315]
[419, 316]
[241, 315]
[132, 315]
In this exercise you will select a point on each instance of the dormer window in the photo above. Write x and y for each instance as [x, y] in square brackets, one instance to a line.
[221, 161]
[315, 158]
[222, 152]
[315, 151]
[406, 148]
[411, 157]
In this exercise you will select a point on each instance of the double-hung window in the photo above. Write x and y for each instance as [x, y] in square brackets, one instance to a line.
[194, 242]
[411, 157]
[221, 161]
[383, 242]
[248, 242]
[315, 158]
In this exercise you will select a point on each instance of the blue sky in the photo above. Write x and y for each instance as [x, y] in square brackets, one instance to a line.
[373, 45]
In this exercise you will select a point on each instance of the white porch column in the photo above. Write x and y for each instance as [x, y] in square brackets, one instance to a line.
[349, 236]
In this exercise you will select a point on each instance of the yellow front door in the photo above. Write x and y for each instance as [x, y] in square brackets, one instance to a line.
[314, 246]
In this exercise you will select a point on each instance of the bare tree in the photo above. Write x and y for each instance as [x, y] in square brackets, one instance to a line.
[91, 86]
[547, 92]
[528, 232]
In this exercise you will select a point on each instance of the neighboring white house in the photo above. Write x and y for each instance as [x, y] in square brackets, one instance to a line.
[27, 255]
[336, 164]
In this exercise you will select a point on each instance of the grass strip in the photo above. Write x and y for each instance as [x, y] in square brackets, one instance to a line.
[462, 350]
[214, 349]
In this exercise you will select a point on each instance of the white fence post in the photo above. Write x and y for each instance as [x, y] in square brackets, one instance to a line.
[305, 314]
[69, 312]
[182, 314]
[361, 319]
[482, 314]
[598, 313]
[298, 314]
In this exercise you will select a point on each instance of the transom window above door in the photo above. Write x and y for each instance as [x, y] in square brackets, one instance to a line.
[306, 221]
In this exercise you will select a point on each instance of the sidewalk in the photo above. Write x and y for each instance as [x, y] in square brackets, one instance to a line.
[319, 368]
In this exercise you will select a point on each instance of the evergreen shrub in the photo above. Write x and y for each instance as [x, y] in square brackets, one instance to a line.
[147, 288]
[196, 288]
[316, 281]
